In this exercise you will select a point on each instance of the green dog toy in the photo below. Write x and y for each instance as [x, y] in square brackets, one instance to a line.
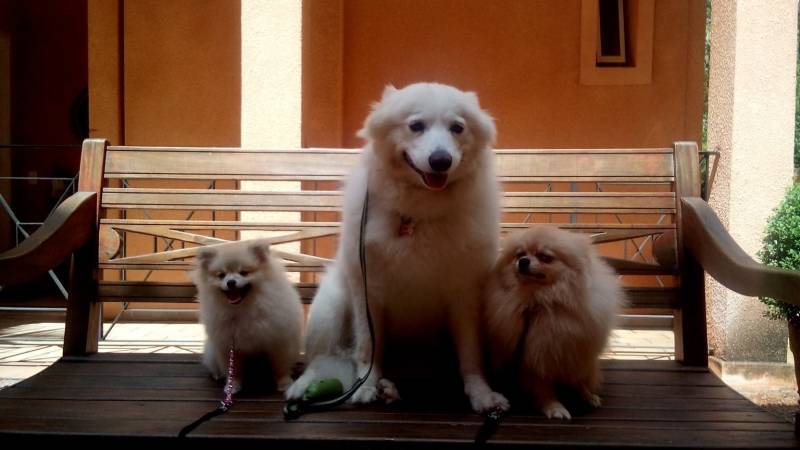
[323, 390]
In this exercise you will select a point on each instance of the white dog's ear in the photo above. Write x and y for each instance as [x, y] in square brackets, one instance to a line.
[481, 122]
[388, 91]
[260, 248]
[204, 256]
[378, 122]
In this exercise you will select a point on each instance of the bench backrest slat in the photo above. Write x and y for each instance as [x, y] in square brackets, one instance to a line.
[159, 204]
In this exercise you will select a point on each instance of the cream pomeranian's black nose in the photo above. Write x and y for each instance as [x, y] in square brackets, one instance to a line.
[231, 284]
[523, 264]
[440, 160]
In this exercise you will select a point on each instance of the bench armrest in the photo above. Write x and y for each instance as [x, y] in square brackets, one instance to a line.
[710, 243]
[70, 226]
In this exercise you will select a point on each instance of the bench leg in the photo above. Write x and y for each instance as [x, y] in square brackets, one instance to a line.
[691, 337]
[82, 331]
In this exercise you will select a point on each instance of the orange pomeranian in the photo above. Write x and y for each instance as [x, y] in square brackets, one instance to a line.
[551, 304]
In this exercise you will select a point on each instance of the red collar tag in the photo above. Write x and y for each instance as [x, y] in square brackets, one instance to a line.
[406, 226]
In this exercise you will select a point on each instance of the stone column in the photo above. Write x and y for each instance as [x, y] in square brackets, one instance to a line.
[751, 122]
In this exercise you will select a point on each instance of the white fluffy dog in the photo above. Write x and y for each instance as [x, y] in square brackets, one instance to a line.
[431, 240]
[244, 294]
[551, 305]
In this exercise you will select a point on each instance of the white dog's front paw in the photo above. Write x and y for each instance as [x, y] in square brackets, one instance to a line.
[388, 391]
[489, 401]
[555, 410]
[367, 393]
[298, 388]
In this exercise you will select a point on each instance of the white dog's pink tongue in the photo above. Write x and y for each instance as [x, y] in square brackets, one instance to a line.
[435, 180]
[234, 296]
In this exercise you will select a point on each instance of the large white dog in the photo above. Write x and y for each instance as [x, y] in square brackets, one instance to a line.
[431, 240]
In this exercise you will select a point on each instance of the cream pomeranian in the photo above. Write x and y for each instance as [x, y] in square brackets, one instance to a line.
[246, 297]
[550, 307]
[430, 242]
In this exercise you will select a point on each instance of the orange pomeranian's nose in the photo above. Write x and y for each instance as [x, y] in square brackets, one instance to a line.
[523, 264]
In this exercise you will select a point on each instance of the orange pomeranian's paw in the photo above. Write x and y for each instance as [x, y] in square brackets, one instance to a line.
[555, 410]
[388, 391]
[592, 399]
[489, 401]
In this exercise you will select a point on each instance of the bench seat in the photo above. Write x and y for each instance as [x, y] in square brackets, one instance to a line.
[108, 397]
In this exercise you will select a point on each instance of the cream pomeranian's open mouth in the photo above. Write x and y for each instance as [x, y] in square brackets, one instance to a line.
[435, 181]
[236, 295]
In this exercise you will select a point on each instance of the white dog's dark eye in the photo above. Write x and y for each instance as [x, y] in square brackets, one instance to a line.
[456, 128]
[544, 258]
[417, 126]
[244, 273]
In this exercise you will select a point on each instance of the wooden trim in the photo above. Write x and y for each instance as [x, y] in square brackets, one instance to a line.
[710, 243]
[691, 337]
[153, 292]
[521, 165]
[70, 227]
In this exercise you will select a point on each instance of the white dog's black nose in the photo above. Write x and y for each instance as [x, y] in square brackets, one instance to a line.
[440, 160]
[231, 284]
[523, 264]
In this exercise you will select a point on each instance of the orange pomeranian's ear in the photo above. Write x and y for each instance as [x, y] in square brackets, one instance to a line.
[260, 248]
[205, 255]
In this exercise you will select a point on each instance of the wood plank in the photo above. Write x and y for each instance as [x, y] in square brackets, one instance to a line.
[158, 292]
[512, 202]
[523, 165]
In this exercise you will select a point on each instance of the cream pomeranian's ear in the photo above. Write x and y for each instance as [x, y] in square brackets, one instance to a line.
[260, 248]
[481, 122]
[377, 122]
[205, 255]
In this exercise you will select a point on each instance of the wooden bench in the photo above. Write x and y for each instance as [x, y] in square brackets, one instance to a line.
[142, 212]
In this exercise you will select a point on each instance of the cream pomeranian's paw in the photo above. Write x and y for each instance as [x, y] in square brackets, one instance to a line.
[388, 391]
[367, 393]
[489, 401]
[236, 386]
[555, 410]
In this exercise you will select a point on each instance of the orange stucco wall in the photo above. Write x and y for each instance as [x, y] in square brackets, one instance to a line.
[182, 76]
[523, 59]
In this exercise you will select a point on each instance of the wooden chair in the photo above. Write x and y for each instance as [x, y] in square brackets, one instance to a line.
[142, 212]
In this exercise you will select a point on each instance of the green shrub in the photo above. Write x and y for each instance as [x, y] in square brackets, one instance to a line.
[782, 249]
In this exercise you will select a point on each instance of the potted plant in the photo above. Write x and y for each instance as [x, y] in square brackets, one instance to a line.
[782, 249]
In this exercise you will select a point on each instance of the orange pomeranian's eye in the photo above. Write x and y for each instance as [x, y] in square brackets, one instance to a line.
[544, 258]
[220, 275]
[244, 273]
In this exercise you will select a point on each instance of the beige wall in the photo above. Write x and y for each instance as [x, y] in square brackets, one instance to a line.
[751, 122]
[523, 59]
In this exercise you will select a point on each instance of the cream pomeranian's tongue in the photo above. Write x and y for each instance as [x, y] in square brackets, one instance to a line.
[435, 180]
[234, 296]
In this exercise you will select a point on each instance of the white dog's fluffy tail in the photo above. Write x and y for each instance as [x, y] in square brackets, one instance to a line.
[341, 367]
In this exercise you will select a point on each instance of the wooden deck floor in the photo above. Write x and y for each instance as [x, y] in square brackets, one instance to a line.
[152, 396]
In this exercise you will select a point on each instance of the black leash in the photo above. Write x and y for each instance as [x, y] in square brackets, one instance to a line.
[296, 408]
[492, 419]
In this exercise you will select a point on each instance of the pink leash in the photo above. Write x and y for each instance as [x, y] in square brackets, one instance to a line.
[227, 399]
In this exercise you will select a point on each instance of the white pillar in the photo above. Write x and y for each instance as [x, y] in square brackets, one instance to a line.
[271, 89]
[751, 121]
